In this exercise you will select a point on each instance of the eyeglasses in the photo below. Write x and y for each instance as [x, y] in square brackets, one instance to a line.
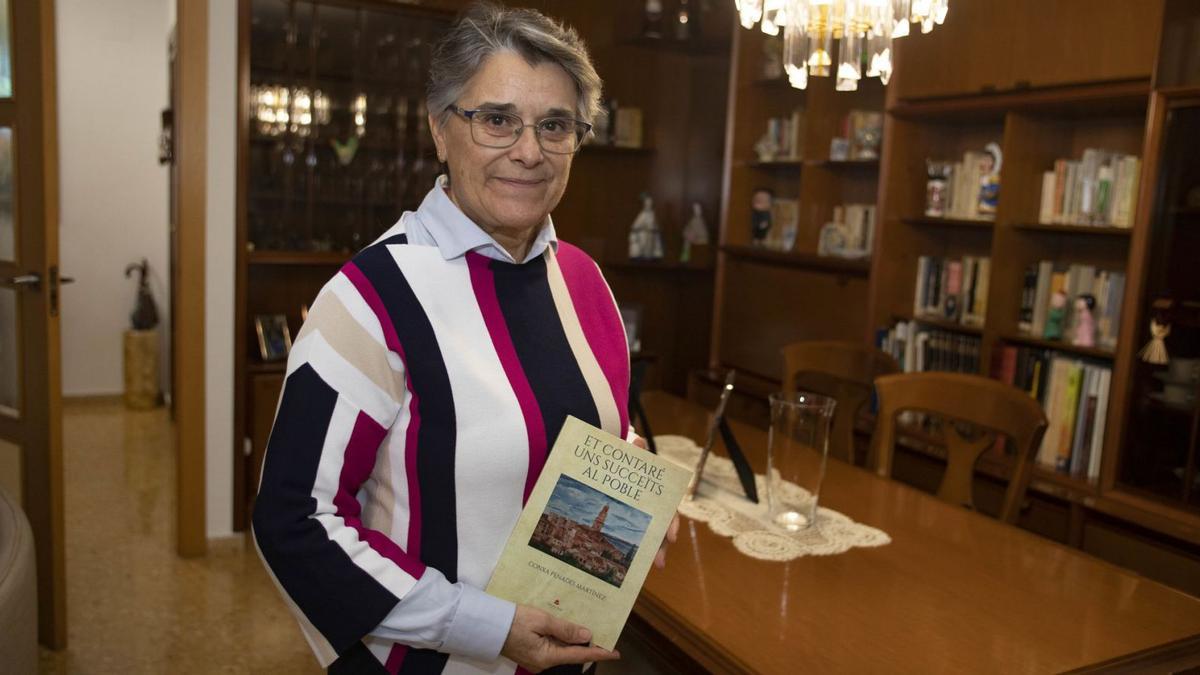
[495, 129]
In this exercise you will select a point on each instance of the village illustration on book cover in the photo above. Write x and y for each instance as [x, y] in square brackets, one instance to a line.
[590, 530]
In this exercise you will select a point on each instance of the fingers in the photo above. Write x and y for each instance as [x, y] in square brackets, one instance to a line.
[660, 558]
[574, 654]
[640, 442]
[673, 529]
[565, 631]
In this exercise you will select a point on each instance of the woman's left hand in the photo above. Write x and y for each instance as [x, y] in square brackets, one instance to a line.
[660, 558]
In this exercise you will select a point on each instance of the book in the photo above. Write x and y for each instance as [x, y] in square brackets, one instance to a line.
[590, 530]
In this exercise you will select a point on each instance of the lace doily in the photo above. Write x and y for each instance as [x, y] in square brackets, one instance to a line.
[721, 503]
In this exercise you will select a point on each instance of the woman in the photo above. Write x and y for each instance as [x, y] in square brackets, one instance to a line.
[436, 369]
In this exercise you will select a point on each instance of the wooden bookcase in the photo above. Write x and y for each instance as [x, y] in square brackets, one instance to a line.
[1044, 80]
[1037, 117]
[767, 298]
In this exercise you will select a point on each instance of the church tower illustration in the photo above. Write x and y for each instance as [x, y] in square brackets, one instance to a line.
[600, 518]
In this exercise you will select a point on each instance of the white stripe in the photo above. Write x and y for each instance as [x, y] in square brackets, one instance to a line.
[345, 290]
[593, 375]
[329, 470]
[492, 446]
[344, 378]
[395, 445]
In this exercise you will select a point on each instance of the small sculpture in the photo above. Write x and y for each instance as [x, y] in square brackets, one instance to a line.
[989, 181]
[1084, 334]
[760, 215]
[1155, 351]
[1056, 316]
[145, 312]
[695, 233]
[645, 237]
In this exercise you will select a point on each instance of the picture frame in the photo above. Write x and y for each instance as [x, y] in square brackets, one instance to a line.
[274, 339]
[631, 317]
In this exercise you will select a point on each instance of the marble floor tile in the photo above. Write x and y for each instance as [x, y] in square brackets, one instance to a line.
[133, 605]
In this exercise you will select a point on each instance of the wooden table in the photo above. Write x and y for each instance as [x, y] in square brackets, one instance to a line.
[954, 592]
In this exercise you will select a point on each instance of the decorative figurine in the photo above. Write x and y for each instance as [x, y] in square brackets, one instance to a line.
[695, 233]
[645, 238]
[760, 215]
[1084, 333]
[1155, 351]
[936, 193]
[989, 181]
[145, 312]
[1056, 316]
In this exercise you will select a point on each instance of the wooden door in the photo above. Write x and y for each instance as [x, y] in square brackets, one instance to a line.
[30, 376]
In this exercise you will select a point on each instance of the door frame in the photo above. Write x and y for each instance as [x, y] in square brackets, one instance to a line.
[188, 344]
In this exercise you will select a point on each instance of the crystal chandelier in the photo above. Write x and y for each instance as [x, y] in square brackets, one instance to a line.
[865, 27]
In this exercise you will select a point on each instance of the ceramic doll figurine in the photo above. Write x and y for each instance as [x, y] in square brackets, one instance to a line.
[695, 233]
[645, 238]
[989, 181]
[760, 215]
[1056, 316]
[1084, 334]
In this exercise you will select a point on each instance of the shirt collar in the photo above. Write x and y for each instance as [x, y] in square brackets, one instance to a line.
[455, 233]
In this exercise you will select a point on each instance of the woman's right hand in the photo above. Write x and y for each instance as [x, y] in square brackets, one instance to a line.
[537, 641]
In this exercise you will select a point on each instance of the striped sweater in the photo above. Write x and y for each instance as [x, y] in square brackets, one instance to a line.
[422, 396]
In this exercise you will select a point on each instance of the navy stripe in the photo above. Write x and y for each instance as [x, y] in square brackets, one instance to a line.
[431, 383]
[358, 660]
[423, 662]
[541, 345]
[341, 600]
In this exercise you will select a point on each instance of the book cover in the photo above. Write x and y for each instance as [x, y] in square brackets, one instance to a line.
[590, 530]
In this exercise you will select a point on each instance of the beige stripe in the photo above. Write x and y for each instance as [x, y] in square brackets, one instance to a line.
[377, 514]
[329, 317]
[610, 418]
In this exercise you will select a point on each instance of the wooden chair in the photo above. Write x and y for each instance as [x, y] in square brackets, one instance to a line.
[844, 371]
[980, 401]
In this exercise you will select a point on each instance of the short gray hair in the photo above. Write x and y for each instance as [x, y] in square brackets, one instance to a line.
[484, 29]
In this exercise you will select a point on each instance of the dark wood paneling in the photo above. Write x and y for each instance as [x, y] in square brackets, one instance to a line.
[766, 307]
[988, 46]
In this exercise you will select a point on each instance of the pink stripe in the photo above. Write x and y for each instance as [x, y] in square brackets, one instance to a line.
[600, 321]
[484, 285]
[371, 297]
[396, 658]
[357, 464]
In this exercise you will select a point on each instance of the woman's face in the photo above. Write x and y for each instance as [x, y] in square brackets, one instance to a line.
[511, 189]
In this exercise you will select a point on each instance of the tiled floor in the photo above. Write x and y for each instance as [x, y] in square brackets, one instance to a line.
[133, 605]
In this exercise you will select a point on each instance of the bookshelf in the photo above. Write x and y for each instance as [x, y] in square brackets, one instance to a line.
[1149, 451]
[759, 289]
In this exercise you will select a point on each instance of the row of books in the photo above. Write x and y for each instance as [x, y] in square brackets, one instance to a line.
[1074, 395]
[784, 138]
[919, 348]
[963, 181]
[952, 290]
[1098, 189]
[1050, 307]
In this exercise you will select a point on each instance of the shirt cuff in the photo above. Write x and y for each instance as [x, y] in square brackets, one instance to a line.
[480, 625]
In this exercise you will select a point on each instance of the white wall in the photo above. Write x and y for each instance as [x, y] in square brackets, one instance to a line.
[219, 263]
[112, 85]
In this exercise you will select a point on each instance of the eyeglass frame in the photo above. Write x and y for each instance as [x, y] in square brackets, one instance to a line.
[469, 116]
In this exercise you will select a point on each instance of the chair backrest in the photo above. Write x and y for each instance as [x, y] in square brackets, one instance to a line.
[844, 371]
[980, 401]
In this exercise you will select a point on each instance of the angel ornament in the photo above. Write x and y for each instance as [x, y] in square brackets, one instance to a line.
[1155, 351]
[695, 233]
[645, 237]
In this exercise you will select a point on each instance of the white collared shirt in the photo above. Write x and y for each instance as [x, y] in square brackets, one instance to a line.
[439, 222]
